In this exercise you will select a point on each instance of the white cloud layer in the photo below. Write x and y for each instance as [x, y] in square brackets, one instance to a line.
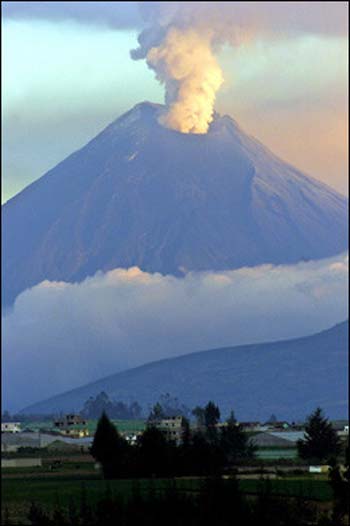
[62, 335]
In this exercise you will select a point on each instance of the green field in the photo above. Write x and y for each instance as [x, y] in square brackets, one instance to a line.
[310, 489]
[63, 488]
[64, 474]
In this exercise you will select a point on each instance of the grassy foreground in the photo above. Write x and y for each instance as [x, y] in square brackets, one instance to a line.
[18, 492]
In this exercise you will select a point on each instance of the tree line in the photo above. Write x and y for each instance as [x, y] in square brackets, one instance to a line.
[205, 450]
[167, 405]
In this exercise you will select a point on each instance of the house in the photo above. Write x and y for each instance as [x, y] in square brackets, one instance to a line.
[11, 442]
[252, 426]
[10, 427]
[172, 427]
[268, 440]
[72, 425]
[279, 425]
[274, 445]
[341, 427]
[69, 420]
[319, 469]
[132, 438]
[21, 462]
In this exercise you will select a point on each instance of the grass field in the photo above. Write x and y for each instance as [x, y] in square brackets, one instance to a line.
[61, 482]
[61, 489]
[48, 490]
[51, 489]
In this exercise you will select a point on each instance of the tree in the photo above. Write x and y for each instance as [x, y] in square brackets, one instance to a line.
[205, 456]
[211, 414]
[235, 441]
[94, 407]
[156, 413]
[172, 407]
[6, 417]
[154, 452]
[321, 440]
[186, 432]
[340, 483]
[109, 448]
[135, 410]
[272, 419]
[198, 413]
[211, 419]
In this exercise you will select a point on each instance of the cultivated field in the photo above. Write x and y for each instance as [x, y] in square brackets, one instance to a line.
[62, 481]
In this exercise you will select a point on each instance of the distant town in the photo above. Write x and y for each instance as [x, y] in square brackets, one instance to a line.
[274, 439]
[171, 443]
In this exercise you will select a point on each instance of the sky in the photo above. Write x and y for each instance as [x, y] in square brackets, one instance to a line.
[67, 73]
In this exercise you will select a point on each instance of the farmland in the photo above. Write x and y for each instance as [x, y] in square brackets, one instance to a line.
[62, 483]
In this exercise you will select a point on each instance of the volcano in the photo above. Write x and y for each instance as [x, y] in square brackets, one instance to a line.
[140, 194]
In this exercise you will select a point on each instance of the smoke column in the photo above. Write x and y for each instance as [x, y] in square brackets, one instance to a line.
[185, 63]
[180, 41]
[179, 44]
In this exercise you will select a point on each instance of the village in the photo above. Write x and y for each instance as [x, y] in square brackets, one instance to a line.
[275, 441]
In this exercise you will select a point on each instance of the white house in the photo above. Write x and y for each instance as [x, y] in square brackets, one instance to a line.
[10, 427]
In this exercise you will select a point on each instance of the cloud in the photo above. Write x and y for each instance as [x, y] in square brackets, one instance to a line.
[278, 17]
[62, 335]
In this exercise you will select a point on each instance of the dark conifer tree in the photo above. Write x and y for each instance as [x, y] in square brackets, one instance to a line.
[110, 449]
[321, 440]
[235, 441]
[211, 419]
[154, 453]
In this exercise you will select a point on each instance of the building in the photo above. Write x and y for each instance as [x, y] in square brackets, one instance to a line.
[21, 462]
[279, 425]
[69, 420]
[275, 445]
[341, 427]
[10, 427]
[72, 425]
[252, 426]
[172, 427]
[12, 442]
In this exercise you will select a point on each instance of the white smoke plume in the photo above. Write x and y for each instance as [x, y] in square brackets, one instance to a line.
[185, 63]
[179, 44]
[62, 335]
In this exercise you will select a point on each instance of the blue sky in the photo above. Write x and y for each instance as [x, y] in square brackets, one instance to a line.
[67, 73]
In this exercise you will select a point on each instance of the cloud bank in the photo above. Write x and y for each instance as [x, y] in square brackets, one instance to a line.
[61, 335]
[312, 17]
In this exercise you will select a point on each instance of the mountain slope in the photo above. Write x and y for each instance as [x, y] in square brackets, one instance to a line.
[141, 194]
[288, 378]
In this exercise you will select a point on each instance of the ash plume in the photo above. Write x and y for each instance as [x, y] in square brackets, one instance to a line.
[184, 62]
[180, 44]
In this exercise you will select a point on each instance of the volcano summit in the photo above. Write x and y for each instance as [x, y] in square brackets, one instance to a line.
[142, 194]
